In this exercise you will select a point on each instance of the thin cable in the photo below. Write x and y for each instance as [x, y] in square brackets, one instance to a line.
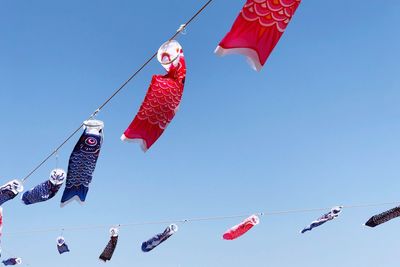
[52, 153]
[199, 219]
[182, 28]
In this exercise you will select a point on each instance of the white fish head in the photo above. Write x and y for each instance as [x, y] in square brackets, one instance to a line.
[57, 176]
[169, 54]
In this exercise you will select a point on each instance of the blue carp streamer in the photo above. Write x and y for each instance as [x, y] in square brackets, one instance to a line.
[335, 211]
[61, 245]
[12, 261]
[158, 239]
[82, 162]
[10, 190]
[45, 190]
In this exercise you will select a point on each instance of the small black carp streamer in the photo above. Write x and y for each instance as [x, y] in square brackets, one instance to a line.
[335, 211]
[12, 261]
[110, 248]
[10, 190]
[82, 162]
[45, 190]
[61, 246]
[159, 238]
[383, 217]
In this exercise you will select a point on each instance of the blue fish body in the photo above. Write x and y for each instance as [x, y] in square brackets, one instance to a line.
[334, 213]
[45, 190]
[62, 247]
[12, 261]
[159, 238]
[82, 164]
[40, 193]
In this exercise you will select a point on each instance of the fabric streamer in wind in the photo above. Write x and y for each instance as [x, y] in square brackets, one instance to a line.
[159, 238]
[335, 211]
[242, 228]
[383, 217]
[1, 226]
[162, 99]
[12, 261]
[82, 162]
[62, 247]
[258, 29]
[10, 190]
[45, 190]
[107, 253]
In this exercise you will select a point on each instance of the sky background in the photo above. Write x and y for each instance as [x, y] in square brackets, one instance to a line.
[317, 127]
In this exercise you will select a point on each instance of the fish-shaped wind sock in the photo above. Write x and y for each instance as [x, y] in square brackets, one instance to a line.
[159, 238]
[61, 245]
[335, 211]
[1, 226]
[1, 221]
[258, 29]
[82, 162]
[12, 261]
[242, 228]
[45, 190]
[383, 217]
[10, 190]
[107, 253]
[162, 99]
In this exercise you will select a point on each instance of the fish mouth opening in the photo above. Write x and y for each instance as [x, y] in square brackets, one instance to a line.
[166, 58]
[93, 123]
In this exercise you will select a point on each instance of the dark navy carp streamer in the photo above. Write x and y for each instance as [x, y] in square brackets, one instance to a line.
[158, 239]
[61, 246]
[383, 217]
[45, 190]
[10, 190]
[12, 261]
[335, 211]
[108, 251]
[82, 162]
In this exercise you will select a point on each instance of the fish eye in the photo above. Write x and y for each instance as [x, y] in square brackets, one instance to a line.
[90, 141]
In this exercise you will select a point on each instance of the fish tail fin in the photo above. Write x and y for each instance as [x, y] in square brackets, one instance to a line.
[77, 193]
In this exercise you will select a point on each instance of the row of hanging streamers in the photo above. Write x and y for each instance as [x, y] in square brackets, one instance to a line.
[255, 33]
[231, 233]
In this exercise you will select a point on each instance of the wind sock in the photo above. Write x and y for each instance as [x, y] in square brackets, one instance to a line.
[13, 261]
[383, 217]
[258, 29]
[62, 247]
[45, 190]
[82, 162]
[162, 99]
[335, 211]
[242, 228]
[112, 244]
[158, 239]
[1, 226]
[10, 190]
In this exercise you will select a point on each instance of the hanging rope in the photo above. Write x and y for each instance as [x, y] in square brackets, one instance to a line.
[181, 29]
[200, 219]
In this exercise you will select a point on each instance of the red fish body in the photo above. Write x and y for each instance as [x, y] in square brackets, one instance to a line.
[242, 228]
[159, 106]
[258, 29]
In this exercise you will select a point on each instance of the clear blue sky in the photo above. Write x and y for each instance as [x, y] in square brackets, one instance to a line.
[317, 127]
